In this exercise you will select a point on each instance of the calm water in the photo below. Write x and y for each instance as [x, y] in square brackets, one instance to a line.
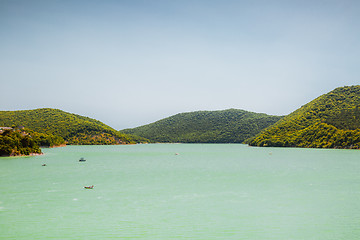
[225, 191]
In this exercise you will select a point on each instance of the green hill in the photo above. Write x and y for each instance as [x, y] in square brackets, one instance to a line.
[15, 143]
[227, 126]
[75, 129]
[330, 121]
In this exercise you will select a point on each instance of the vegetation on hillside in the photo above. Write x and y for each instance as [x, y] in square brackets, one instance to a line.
[46, 140]
[330, 121]
[15, 143]
[227, 126]
[75, 129]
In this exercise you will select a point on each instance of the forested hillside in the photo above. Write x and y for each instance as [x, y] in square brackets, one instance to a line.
[75, 129]
[330, 121]
[227, 126]
[15, 143]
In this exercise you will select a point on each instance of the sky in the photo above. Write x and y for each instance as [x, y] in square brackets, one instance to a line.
[132, 62]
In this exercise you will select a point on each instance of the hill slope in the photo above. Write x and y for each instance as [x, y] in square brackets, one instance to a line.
[329, 121]
[75, 129]
[17, 143]
[227, 126]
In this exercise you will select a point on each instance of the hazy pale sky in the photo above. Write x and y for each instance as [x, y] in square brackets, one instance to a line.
[129, 63]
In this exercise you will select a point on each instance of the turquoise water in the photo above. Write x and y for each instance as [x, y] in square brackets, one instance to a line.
[219, 191]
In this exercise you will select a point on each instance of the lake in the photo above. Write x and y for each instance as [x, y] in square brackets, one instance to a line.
[181, 191]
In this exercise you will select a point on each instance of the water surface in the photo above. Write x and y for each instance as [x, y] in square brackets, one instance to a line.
[181, 191]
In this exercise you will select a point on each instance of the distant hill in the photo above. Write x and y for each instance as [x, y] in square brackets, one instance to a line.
[227, 126]
[75, 129]
[329, 121]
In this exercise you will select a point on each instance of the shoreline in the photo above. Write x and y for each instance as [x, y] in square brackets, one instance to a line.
[55, 146]
[22, 155]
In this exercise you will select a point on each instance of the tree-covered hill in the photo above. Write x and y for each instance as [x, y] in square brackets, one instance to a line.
[227, 126]
[75, 129]
[16, 143]
[329, 121]
[45, 140]
[20, 141]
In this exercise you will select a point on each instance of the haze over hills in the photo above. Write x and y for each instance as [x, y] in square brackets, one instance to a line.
[329, 121]
[226, 126]
[75, 129]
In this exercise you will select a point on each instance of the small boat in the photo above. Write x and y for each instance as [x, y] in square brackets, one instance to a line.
[89, 187]
[82, 160]
[43, 165]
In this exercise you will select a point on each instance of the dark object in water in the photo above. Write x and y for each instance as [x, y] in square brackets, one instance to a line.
[82, 160]
[43, 165]
[89, 187]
